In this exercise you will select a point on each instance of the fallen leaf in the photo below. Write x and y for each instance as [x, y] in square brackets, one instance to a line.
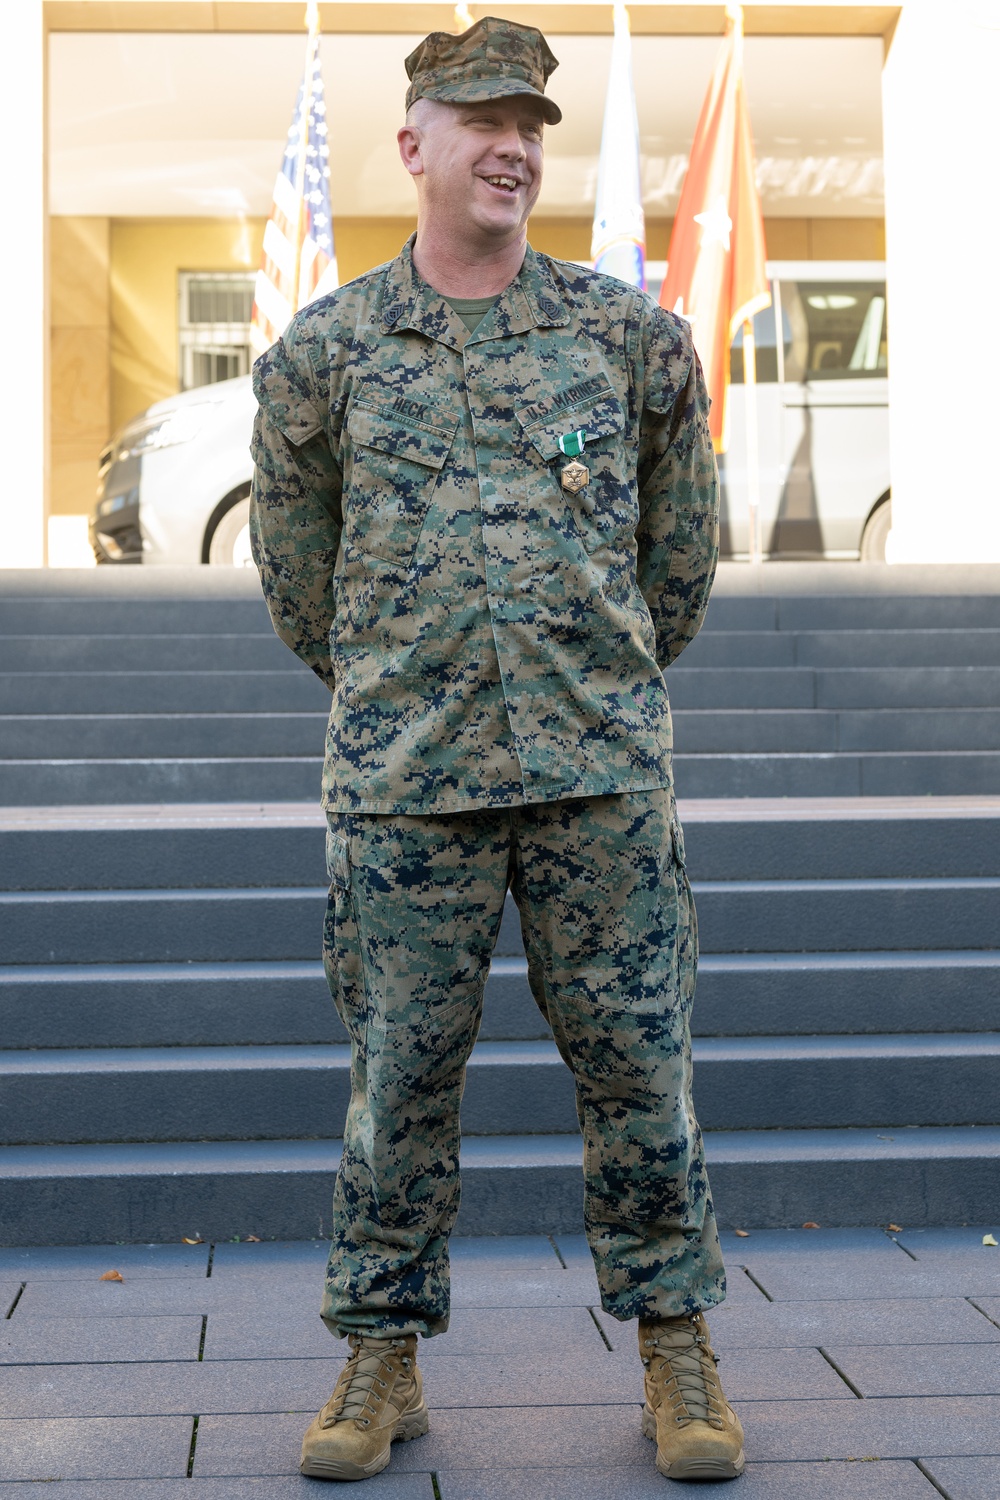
[197, 1240]
[810, 1225]
[112, 1276]
[988, 1239]
[895, 1228]
[744, 1234]
[252, 1239]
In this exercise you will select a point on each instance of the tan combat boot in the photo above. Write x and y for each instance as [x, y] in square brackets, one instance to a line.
[697, 1433]
[378, 1398]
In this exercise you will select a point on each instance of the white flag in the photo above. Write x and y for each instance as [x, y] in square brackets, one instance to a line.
[619, 243]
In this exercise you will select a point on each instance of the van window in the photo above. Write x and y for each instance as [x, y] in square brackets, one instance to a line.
[839, 330]
[767, 352]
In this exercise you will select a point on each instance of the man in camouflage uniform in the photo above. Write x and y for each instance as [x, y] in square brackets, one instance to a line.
[485, 513]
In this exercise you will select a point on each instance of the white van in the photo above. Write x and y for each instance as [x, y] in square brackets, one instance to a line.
[175, 483]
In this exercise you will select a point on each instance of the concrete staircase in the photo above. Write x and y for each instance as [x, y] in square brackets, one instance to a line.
[142, 687]
[172, 1063]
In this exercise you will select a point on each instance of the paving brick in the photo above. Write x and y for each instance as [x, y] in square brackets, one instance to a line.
[832, 1481]
[61, 1341]
[807, 1243]
[990, 1307]
[779, 1325]
[80, 1262]
[109, 1447]
[782, 1431]
[475, 1286]
[284, 1258]
[950, 1241]
[499, 1252]
[966, 1478]
[537, 1377]
[247, 1487]
[557, 1437]
[246, 1297]
[920, 1370]
[140, 1390]
[829, 1276]
[473, 1331]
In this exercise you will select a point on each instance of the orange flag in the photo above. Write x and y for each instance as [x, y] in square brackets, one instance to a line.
[716, 275]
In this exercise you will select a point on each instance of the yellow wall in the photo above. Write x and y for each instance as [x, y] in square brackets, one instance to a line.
[787, 239]
[79, 338]
[146, 256]
[115, 305]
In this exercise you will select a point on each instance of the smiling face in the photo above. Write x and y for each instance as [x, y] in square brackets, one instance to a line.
[478, 168]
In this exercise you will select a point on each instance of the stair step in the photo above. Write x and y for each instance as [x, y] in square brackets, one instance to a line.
[840, 774]
[276, 923]
[221, 845]
[185, 651]
[273, 923]
[292, 688]
[211, 779]
[512, 1088]
[832, 687]
[844, 648]
[161, 737]
[272, 778]
[134, 1193]
[737, 731]
[743, 731]
[264, 1004]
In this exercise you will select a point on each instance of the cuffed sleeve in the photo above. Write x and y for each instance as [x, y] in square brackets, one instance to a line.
[678, 533]
[295, 509]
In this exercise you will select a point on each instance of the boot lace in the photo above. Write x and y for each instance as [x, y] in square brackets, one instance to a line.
[361, 1389]
[683, 1364]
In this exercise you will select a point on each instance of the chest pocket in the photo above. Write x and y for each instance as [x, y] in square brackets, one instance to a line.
[607, 502]
[394, 466]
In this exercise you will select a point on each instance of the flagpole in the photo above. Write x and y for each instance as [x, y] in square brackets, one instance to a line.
[312, 24]
[753, 458]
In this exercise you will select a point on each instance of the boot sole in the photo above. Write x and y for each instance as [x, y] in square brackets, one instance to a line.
[412, 1424]
[692, 1468]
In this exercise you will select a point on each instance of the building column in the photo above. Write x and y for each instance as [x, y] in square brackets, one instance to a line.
[23, 128]
[941, 120]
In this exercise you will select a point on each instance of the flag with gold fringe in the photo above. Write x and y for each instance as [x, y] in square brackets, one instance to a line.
[716, 275]
[298, 236]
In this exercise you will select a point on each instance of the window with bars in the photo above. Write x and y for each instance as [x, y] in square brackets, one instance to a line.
[214, 321]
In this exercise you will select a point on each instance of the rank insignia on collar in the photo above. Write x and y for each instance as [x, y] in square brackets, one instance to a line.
[574, 477]
[571, 444]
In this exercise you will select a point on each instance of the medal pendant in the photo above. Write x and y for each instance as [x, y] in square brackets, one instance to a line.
[574, 477]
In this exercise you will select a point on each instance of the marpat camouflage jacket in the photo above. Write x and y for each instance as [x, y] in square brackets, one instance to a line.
[489, 638]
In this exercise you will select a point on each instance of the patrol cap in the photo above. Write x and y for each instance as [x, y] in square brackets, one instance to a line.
[494, 59]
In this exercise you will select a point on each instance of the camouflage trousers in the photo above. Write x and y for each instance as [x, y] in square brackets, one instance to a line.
[610, 934]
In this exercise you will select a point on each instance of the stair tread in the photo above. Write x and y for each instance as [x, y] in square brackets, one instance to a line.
[285, 1056]
[510, 1152]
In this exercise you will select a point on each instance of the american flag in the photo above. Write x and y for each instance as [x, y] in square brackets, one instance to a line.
[298, 237]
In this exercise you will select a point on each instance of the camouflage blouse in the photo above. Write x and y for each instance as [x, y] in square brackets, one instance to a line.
[491, 635]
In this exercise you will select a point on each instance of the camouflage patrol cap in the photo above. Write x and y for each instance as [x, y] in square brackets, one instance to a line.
[494, 59]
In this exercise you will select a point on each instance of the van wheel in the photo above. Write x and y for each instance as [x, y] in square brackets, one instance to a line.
[230, 543]
[876, 533]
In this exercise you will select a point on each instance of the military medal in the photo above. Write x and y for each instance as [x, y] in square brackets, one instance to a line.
[575, 475]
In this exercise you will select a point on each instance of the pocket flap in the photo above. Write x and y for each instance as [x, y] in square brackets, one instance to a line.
[374, 427]
[600, 420]
[338, 860]
[282, 398]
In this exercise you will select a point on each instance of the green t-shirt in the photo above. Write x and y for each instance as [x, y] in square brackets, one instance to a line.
[472, 310]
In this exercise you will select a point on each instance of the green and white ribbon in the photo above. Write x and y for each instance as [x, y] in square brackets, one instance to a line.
[572, 443]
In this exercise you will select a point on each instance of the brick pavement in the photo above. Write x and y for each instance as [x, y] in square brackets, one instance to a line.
[865, 1366]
